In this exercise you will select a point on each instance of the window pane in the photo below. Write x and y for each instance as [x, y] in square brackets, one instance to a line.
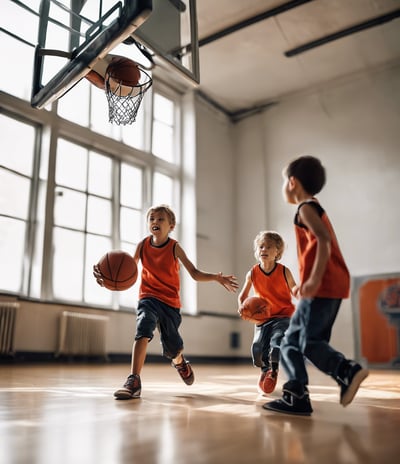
[163, 190]
[163, 141]
[20, 21]
[12, 242]
[68, 264]
[131, 186]
[133, 134]
[96, 247]
[14, 194]
[20, 84]
[163, 109]
[17, 142]
[71, 168]
[99, 118]
[99, 216]
[129, 298]
[100, 171]
[69, 208]
[74, 105]
[131, 225]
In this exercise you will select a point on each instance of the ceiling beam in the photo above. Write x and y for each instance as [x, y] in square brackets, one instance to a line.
[249, 21]
[343, 33]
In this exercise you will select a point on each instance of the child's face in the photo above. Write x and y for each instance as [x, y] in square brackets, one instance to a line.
[266, 251]
[158, 224]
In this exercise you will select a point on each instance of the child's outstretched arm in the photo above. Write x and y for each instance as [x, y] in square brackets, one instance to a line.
[313, 222]
[227, 281]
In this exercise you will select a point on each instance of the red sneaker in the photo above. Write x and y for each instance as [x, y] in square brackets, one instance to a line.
[131, 389]
[185, 371]
[267, 381]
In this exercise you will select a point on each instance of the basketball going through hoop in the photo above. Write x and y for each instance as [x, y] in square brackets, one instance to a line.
[125, 83]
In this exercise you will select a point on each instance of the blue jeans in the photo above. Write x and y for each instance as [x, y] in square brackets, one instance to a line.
[308, 337]
[153, 314]
[267, 337]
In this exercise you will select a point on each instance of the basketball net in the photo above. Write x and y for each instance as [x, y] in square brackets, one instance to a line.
[124, 101]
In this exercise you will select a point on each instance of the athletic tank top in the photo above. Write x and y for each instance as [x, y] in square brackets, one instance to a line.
[160, 272]
[336, 279]
[273, 287]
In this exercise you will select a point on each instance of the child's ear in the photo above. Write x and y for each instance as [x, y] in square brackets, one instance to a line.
[292, 182]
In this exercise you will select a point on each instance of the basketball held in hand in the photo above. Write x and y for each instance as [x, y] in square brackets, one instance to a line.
[255, 310]
[118, 270]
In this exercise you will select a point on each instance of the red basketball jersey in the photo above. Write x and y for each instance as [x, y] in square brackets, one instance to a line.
[160, 272]
[273, 287]
[336, 279]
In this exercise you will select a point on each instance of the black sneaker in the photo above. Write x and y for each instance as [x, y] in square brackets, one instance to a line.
[350, 381]
[295, 400]
[131, 389]
[185, 371]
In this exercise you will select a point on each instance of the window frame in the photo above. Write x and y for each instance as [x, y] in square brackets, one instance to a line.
[49, 127]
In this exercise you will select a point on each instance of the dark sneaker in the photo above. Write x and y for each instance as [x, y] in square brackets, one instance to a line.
[350, 382]
[267, 381]
[131, 389]
[185, 371]
[294, 401]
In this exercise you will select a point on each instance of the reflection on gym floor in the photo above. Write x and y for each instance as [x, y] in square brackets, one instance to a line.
[56, 414]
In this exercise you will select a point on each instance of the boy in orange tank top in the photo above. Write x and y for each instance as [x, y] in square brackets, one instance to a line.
[274, 283]
[159, 298]
[324, 282]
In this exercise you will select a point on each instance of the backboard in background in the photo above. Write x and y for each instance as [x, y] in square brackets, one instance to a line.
[75, 35]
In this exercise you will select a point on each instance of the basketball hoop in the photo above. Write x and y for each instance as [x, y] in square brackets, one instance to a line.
[125, 82]
[124, 101]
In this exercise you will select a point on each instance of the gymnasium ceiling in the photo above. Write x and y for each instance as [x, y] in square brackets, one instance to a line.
[247, 69]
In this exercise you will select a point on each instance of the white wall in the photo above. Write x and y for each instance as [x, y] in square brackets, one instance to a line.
[353, 126]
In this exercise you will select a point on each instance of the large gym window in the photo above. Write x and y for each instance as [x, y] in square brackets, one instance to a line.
[95, 192]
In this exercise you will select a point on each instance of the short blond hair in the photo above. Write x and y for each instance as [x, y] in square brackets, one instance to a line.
[265, 235]
[165, 209]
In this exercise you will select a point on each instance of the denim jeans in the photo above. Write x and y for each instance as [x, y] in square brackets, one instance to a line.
[267, 337]
[308, 337]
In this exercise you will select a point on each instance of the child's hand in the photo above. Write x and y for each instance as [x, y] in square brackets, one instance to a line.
[228, 281]
[309, 288]
[98, 276]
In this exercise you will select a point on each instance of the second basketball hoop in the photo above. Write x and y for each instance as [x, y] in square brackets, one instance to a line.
[125, 83]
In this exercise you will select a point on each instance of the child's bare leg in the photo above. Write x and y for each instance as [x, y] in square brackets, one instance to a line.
[139, 351]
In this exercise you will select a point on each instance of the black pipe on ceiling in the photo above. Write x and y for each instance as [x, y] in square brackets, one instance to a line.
[343, 33]
[254, 19]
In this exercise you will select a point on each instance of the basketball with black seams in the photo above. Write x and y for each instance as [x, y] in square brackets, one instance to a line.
[255, 309]
[118, 270]
[123, 71]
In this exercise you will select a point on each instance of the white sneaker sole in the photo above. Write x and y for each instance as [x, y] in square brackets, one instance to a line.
[352, 389]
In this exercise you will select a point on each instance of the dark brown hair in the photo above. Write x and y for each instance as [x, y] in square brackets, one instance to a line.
[309, 171]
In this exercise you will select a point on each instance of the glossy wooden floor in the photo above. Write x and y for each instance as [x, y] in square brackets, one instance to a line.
[66, 414]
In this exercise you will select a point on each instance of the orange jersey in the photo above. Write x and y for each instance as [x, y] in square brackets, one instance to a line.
[336, 279]
[274, 288]
[160, 273]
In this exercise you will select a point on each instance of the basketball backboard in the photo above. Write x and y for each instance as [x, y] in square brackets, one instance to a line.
[75, 35]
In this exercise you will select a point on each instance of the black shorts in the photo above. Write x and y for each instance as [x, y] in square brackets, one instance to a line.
[153, 314]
